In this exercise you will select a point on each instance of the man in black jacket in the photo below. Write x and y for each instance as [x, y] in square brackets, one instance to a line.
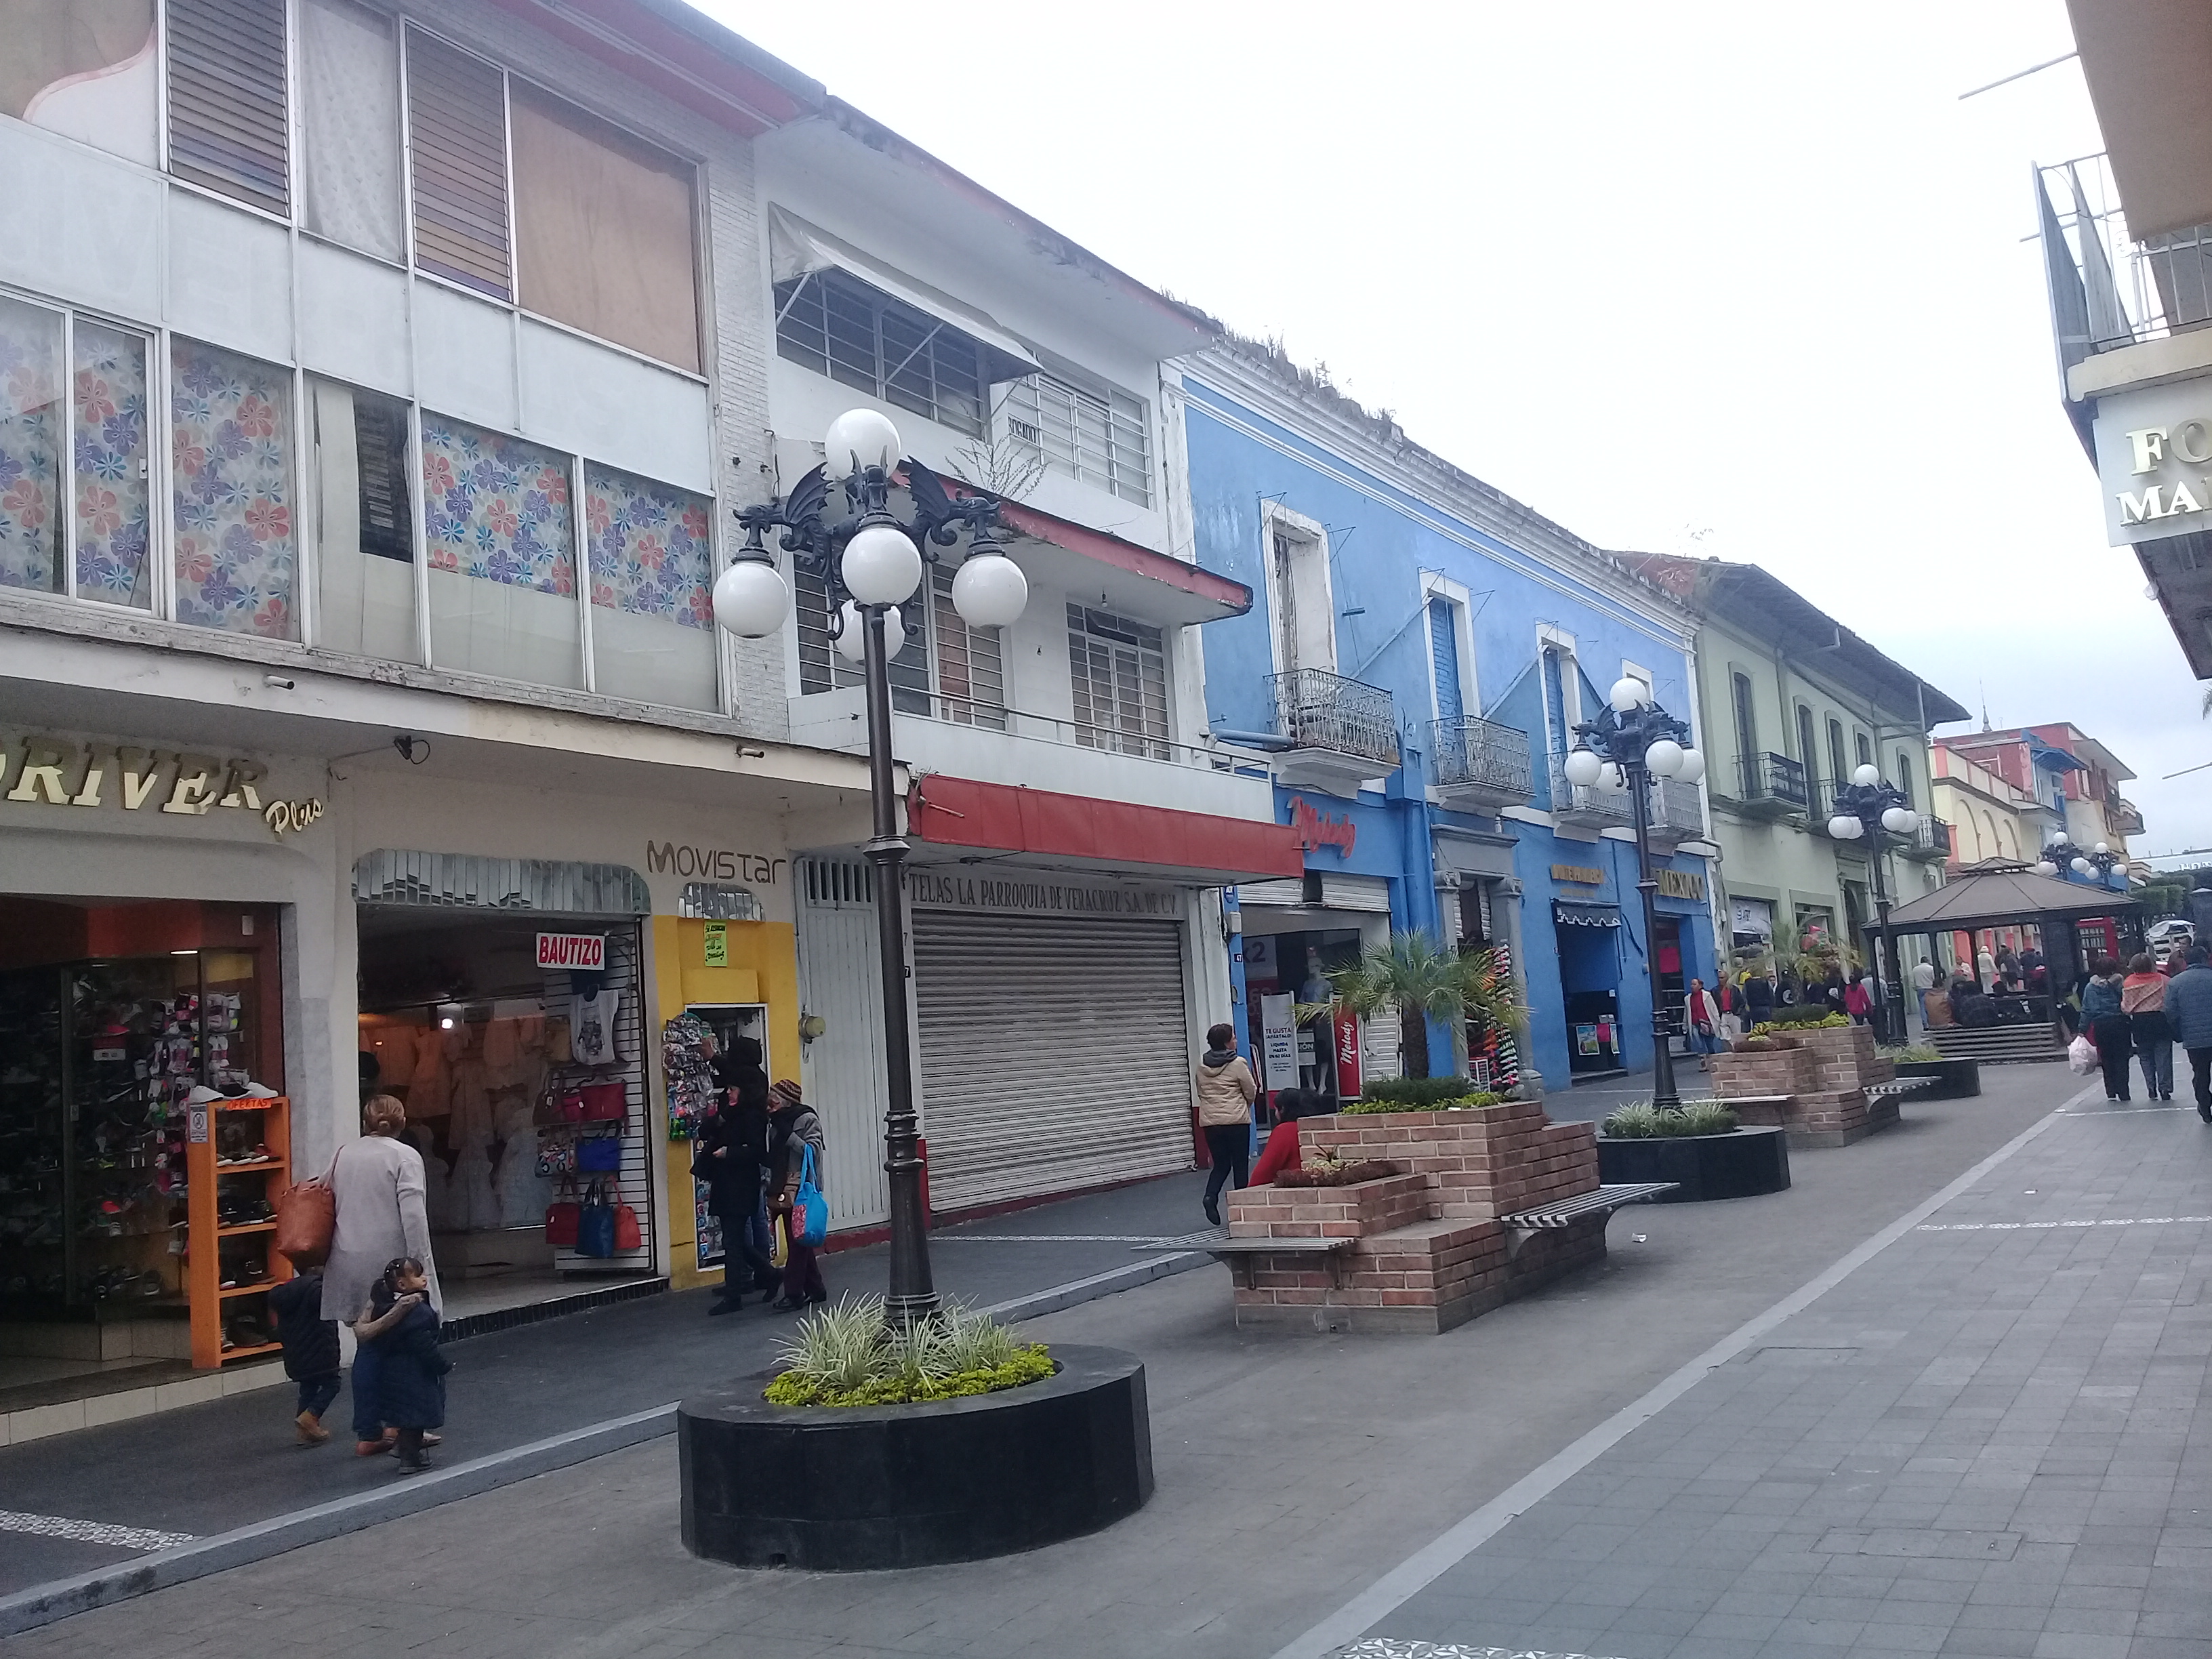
[732, 1148]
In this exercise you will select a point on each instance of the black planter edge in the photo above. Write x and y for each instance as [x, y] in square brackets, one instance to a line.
[1747, 1162]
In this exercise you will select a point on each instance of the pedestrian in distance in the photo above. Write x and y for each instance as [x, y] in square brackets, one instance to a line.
[1985, 967]
[1834, 994]
[1225, 1089]
[1758, 998]
[1857, 1002]
[378, 1190]
[2142, 999]
[400, 1327]
[1923, 981]
[2189, 1013]
[2109, 1027]
[1701, 1019]
[793, 1128]
[310, 1349]
[730, 1156]
[1282, 1153]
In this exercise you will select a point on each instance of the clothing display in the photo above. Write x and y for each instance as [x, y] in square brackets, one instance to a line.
[591, 1031]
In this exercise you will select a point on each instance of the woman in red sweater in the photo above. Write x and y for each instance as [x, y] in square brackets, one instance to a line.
[1282, 1151]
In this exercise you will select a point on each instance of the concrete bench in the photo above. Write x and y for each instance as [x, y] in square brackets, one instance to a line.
[1525, 1226]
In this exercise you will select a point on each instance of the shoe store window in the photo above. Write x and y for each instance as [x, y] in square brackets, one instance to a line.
[116, 1018]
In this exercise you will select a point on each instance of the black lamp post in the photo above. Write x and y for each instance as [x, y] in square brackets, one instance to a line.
[870, 562]
[1864, 808]
[1632, 742]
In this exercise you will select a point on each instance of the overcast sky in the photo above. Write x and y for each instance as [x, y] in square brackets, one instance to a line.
[1740, 280]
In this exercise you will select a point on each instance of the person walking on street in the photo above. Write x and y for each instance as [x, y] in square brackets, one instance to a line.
[1923, 981]
[401, 1327]
[1758, 999]
[1985, 968]
[2142, 999]
[1701, 1019]
[729, 1156]
[2189, 1012]
[1857, 1003]
[310, 1349]
[793, 1127]
[1226, 1090]
[2106, 1018]
[377, 1187]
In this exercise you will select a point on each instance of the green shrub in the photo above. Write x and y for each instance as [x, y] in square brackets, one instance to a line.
[1416, 1093]
[1913, 1054]
[1807, 1016]
[1642, 1120]
[844, 1355]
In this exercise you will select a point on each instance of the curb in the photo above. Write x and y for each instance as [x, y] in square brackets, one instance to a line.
[61, 1598]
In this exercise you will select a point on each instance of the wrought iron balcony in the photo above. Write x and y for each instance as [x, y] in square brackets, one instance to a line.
[1770, 786]
[1341, 731]
[1677, 813]
[1480, 766]
[2123, 817]
[1591, 805]
[1929, 842]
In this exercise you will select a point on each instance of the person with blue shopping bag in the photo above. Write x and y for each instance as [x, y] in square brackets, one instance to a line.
[796, 1154]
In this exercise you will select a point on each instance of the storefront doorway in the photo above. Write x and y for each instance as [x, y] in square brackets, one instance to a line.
[1589, 979]
[1281, 972]
[517, 1045]
[123, 1025]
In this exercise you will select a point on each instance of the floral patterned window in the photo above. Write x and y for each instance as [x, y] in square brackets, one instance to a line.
[651, 555]
[114, 492]
[501, 544]
[30, 448]
[236, 550]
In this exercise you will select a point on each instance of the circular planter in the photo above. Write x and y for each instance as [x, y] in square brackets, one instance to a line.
[1739, 1165]
[850, 1488]
[1955, 1079]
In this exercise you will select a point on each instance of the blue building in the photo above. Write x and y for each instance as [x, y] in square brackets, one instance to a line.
[1418, 651]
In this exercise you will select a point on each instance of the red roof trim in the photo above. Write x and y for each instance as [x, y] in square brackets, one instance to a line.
[964, 812]
[1127, 556]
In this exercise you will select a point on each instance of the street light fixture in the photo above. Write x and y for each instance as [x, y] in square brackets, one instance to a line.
[1632, 741]
[1863, 807]
[2097, 865]
[869, 562]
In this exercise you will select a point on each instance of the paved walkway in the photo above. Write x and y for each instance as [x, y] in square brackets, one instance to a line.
[1300, 1476]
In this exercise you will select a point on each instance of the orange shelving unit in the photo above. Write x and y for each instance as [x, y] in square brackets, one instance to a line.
[214, 1252]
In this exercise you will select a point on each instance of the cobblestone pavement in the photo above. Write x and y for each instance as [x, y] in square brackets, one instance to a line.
[1904, 1455]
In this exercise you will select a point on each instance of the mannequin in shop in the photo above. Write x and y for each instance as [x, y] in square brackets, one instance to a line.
[1315, 1073]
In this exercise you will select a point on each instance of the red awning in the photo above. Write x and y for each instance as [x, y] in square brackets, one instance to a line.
[1193, 848]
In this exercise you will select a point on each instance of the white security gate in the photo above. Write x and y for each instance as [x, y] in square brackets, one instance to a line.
[1054, 1052]
[841, 1071]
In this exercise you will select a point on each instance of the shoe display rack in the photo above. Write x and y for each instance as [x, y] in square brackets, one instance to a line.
[238, 1154]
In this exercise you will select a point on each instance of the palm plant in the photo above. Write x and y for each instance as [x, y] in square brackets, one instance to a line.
[1420, 978]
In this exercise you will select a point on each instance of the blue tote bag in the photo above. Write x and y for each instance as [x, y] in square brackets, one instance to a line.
[809, 1211]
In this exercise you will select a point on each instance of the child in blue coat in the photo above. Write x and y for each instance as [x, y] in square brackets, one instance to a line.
[402, 1332]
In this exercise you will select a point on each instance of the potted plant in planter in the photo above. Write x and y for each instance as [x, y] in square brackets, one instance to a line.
[1955, 1079]
[1698, 1146]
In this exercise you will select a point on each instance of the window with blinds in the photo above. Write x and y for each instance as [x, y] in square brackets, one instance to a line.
[822, 668]
[1092, 437]
[228, 122]
[456, 128]
[1120, 675]
[837, 325]
[971, 676]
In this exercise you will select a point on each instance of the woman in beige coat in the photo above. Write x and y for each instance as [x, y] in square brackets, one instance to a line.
[377, 1183]
[1225, 1089]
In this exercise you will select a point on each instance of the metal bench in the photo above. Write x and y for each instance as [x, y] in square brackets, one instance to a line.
[1756, 1099]
[1525, 1226]
[1902, 1086]
[1331, 1249]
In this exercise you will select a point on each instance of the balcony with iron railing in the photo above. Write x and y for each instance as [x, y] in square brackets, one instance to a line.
[1929, 842]
[1341, 731]
[1678, 814]
[2125, 290]
[1480, 766]
[2123, 817]
[1591, 805]
[1768, 786]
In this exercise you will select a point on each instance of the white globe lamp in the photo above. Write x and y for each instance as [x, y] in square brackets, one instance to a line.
[2082, 867]
[750, 599]
[1693, 767]
[1663, 759]
[1845, 828]
[1581, 768]
[860, 439]
[989, 590]
[1611, 778]
[853, 636]
[2045, 867]
[882, 566]
[2101, 847]
[1628, 695]
[1866, 777]
[1900, 820]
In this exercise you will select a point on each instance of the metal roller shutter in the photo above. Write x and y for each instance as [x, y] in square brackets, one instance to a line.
[1053, 1054]
[1339, 892]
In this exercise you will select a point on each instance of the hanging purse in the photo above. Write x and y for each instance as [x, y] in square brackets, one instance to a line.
[562, 1217]
[603, 1102]
[809, 1211]
[556, 1157]
[629, 1235]
[599, 1155]
[779, 1242]
[595, 1226]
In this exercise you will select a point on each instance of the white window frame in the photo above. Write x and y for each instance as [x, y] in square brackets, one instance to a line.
[1570, 690]
[1437, 586]
[1642, 676]
[1274, 516]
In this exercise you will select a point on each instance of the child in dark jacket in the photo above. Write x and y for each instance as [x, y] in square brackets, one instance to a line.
[403, 1329]
[310, 1349]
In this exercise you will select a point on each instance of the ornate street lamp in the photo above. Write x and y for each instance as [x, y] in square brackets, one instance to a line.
[1632, 741]
[2061, 855]
[869, 563]
[1864, 808]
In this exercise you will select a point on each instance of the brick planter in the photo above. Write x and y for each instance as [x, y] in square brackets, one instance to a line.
[1824, 1073]
[1428, 1252]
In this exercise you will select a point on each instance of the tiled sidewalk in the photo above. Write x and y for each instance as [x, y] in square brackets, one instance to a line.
[1986, 1441]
